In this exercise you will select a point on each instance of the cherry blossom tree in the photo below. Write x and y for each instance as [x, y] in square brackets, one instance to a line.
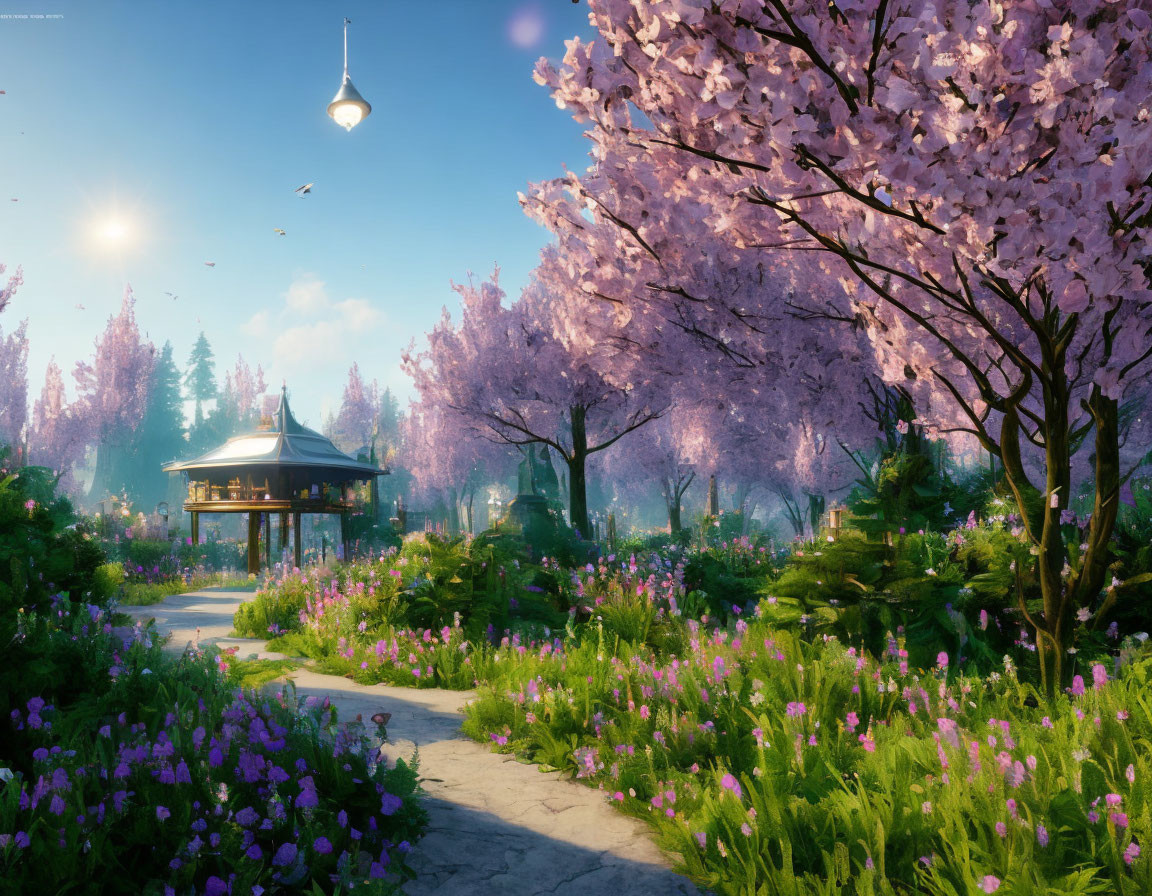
[15, 280]
[357, 421]
[976, 175]
[13, 370]
[248, 388]
[112, 393]
[447, 456]
[656, 458]
[56, 438]
[14, 387]
[518, 375]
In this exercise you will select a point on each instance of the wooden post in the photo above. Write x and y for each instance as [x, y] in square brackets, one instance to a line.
[195, 527]
[296, 537]
[253, 542]
[344, 533]
[283, 532]
[268, 540]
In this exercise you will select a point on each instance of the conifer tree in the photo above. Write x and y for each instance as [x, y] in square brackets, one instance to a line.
[200, 377]
[160, 435]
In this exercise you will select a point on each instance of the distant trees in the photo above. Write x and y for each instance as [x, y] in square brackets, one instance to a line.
[112, 395]
[446, 458]
[14, 386]
[200, 378]
[13, 371]
[160, 435]
[513, 375]
[57, 439]
[357, 422]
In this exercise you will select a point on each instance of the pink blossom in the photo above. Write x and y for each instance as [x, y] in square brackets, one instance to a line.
[728, 782]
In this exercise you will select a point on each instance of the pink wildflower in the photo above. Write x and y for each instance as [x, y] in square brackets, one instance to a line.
[730, 783]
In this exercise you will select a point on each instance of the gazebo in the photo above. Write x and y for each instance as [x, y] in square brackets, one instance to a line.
[282, 468]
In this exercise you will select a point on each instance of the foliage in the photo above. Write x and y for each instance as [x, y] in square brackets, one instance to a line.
[772, 765]
[44, 551]
[200, 380]
[159, 437]
[140, 771]
[728, 573]
[908, 489]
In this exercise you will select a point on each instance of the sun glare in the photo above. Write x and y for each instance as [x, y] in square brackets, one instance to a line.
[114, 230]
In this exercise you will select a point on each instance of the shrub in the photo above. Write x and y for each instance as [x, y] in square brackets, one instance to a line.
[146, 772]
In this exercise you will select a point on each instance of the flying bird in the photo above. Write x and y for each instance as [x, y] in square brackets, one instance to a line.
[173, 297]
[210, 264]
[307, 188]
[15, 200]
[79, 307]
[279, 231]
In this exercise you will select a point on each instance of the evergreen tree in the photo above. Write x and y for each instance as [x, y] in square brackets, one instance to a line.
[388, 427]
[160, 436]
[223, 422]
[200, 377]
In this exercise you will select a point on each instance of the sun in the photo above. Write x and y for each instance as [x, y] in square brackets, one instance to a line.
[114, 231]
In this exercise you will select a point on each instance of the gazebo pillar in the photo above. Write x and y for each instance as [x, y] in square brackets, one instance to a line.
[283, 531]
[344, 533]
[296, 537]
[268, 540]
[195, 527]
[253, 542]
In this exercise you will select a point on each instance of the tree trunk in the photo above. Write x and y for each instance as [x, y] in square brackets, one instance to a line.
[674, 524]
[795, 517]
[740, 499]
[453, 522]
[815, 511]
[1040, 511]
[101, 476]
[671, 493]
[577, 484]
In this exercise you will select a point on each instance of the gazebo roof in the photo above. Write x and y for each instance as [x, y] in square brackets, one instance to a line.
[287, 444]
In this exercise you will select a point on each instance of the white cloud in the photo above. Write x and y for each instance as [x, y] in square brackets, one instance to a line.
[306, 295]
[258, 324]
[311, 332]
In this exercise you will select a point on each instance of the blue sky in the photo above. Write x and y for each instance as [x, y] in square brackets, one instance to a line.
[192, 123]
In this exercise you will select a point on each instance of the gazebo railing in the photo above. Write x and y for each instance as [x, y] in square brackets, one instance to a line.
[203, 492]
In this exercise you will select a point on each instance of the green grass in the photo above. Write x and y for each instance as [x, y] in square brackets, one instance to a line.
[257, 673]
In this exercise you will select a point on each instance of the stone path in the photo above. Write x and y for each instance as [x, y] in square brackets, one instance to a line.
[498, 827]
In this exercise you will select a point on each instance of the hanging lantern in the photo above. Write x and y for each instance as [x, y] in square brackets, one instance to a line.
[348, 108]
